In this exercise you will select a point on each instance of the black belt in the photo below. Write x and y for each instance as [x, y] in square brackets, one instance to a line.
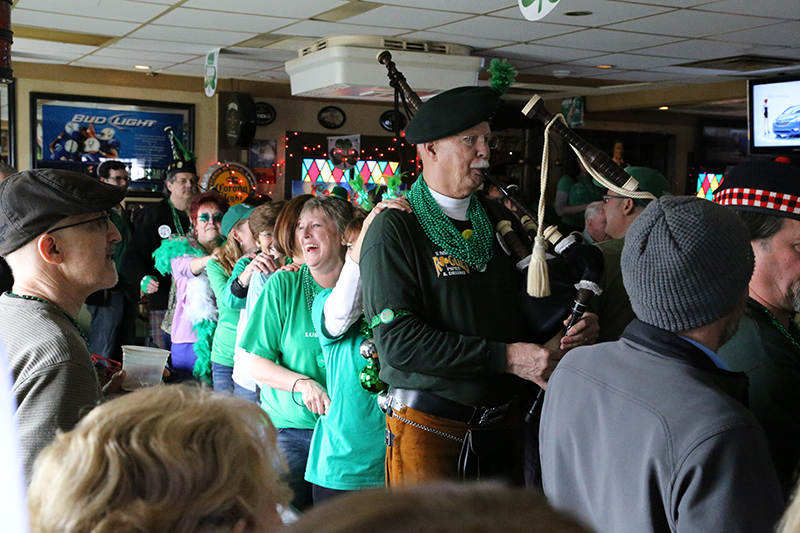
[435, 405]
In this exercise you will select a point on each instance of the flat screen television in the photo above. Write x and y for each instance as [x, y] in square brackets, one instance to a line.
[774, 115]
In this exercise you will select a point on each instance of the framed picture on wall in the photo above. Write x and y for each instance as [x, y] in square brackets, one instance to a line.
[78, 132]
[331, 117]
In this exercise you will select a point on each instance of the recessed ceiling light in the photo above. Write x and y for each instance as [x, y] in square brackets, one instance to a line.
[605, 66]
[578, 13]
[664, 108]
[561, 73]
[142, 67]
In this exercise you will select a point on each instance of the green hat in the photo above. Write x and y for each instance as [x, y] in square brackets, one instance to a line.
[452, 112]
[233, 215]
[340, 193]
[650, 180]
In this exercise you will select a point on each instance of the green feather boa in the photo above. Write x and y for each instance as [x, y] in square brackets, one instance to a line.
[177, 246]
[202, 349]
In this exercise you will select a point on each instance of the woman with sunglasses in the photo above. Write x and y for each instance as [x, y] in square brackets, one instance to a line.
[195, 311]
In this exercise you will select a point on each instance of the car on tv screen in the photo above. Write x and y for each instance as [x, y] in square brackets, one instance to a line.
[787, 124]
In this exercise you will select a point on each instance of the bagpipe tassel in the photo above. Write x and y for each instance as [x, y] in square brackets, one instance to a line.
[538, 277]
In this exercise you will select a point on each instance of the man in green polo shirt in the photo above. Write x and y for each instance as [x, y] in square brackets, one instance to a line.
[613, 306]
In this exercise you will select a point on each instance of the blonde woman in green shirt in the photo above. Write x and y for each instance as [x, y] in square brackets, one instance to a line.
[287, 356]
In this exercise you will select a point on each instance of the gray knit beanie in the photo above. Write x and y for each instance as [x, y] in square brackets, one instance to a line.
[686, 262]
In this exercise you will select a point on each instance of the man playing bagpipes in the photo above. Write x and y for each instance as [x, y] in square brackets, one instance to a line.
[444, 300]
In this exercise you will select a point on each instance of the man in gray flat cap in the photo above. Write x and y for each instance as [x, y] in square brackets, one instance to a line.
[651, 432]
[56, 236]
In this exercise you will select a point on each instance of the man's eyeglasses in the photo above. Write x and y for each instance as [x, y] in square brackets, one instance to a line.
[607, 197]
[105, 218]
[492, 141]
[205, 217]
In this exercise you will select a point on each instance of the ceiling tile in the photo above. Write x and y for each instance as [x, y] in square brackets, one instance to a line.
[142, 55]
[603, 12]
[695, 49]
[474, 42]
[670, 3]
[630, 61]
[56, 56]
[512, 30]
[34, 45]
[688, 23]
[689, 71]
[226, 61]
[316, 28]
[299, 9]
[57, 21]
[575, 71]
[774, 34]
[217, 20]
[107, 9]
[212, 38]
[784, 10]
[606, 40]
[459, 6]
[154, 45]
[543, 54]
[641, 75]
[41, 60]
[265, 55]
[403, 17]
[119, 62]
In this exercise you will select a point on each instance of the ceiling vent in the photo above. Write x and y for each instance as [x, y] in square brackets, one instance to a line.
[744, 63]
[347, 67]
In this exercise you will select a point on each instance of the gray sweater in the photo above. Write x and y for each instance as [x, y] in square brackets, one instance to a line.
[647, 434]
[55, 383]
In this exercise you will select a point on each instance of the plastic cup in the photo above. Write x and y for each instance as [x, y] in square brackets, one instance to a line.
[144, 366]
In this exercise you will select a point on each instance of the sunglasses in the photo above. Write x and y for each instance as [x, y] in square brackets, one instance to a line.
[205, 217]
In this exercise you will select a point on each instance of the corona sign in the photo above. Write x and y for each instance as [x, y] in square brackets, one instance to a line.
[536, 9]
[234, 181]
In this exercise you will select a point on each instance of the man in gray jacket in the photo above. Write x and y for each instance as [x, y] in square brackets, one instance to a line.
[650, 433]
[56, 234]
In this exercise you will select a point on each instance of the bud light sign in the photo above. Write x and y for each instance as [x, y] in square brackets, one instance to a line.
[93, 134]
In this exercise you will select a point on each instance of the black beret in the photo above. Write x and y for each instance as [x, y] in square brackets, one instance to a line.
[762, 186]
[452, 112]
[33, 201]
[179, 165]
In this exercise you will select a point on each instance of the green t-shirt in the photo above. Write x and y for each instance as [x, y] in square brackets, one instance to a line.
[581, 190]
[347, 450]
[280, 329]
[228, 306]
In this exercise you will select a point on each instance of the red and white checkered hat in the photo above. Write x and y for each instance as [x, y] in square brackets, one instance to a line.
[768, 187]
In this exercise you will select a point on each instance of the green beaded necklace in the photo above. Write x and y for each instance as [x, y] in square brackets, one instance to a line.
[474, 249]
[310, 287]
[176, 219]
[779, 327]
[69, 316]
